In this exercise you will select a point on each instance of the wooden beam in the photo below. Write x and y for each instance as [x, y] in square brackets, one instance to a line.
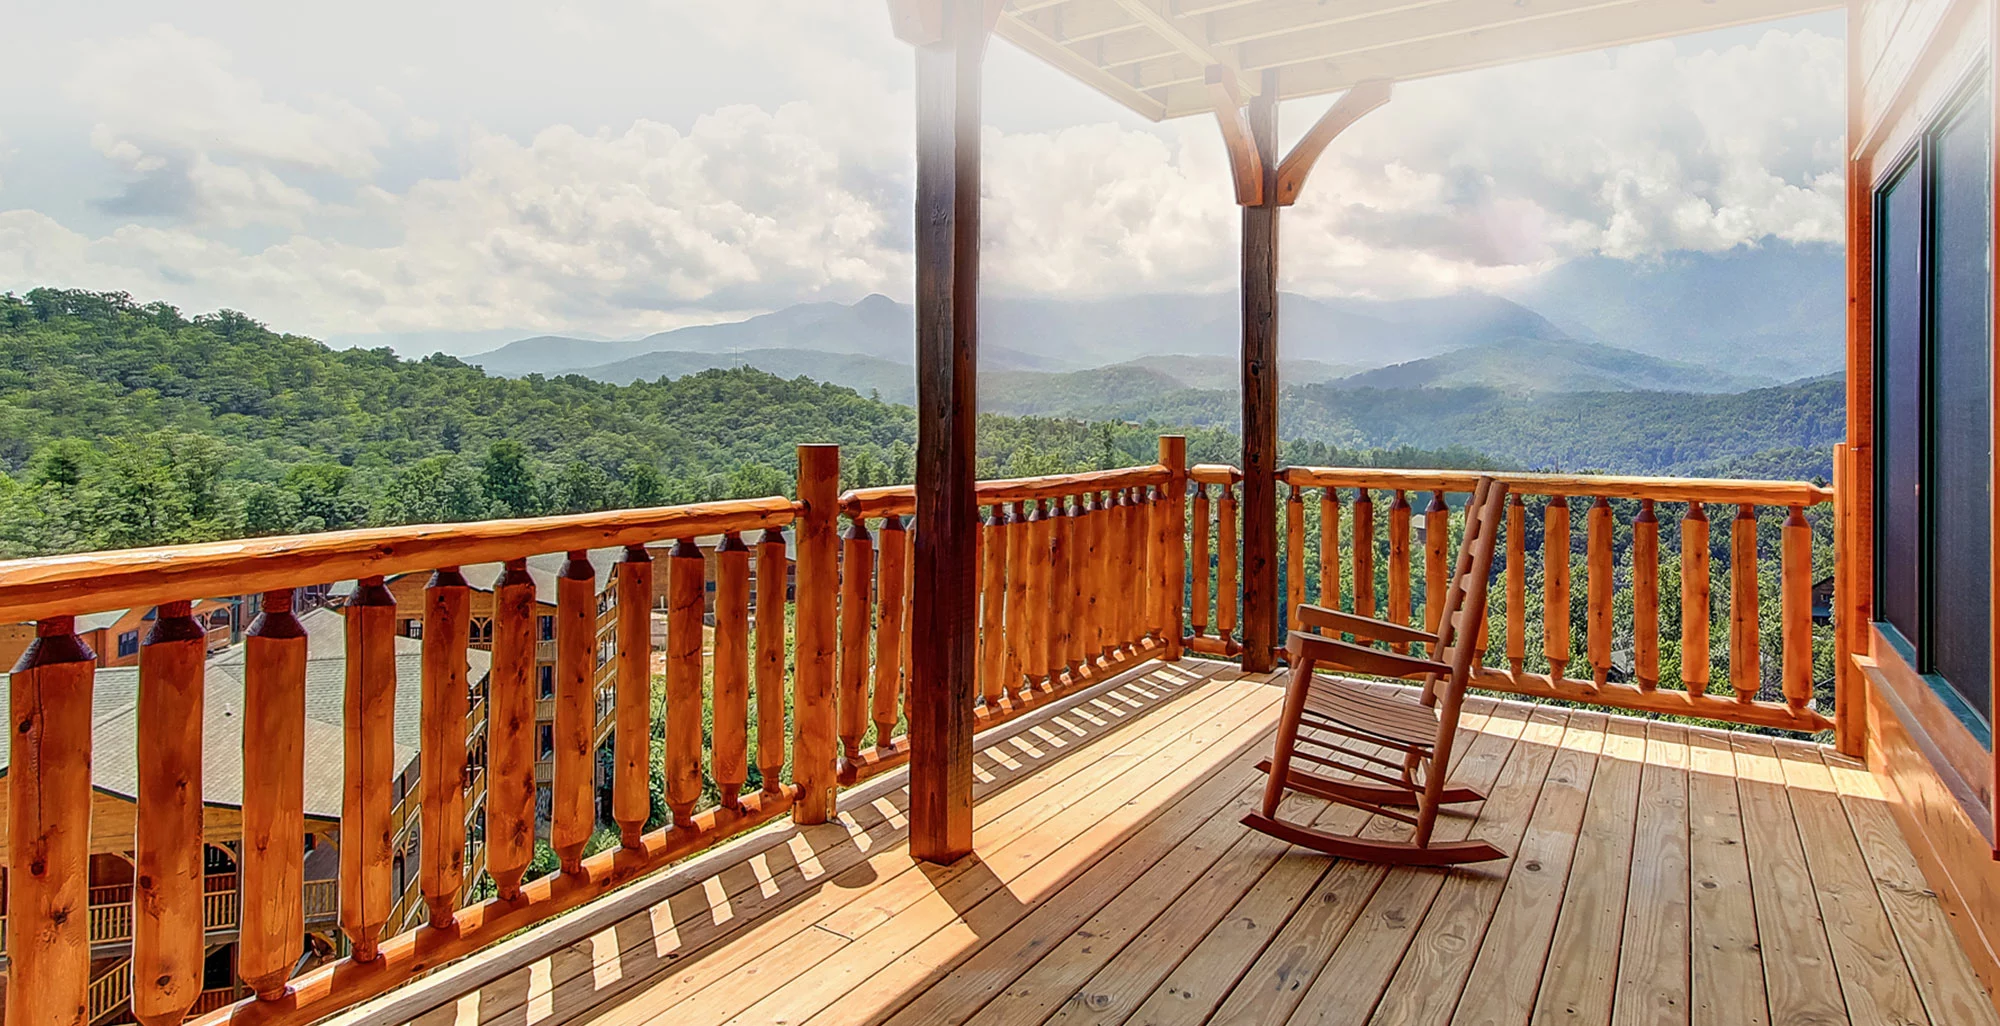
[943, 648]
[1040, 43]
[1260, 395]
[1245, 166]
[816, 626]
[1186, 35]
[1351, 107]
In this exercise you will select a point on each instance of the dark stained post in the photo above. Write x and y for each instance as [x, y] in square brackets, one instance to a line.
[950, 38]
[1260, 391]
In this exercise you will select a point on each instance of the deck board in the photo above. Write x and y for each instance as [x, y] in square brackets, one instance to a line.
[1658, 874]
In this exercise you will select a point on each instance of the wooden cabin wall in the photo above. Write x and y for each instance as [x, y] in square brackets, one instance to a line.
[1907, 60]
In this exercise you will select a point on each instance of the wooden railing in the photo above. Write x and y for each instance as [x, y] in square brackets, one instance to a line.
[1631, 616]
[109, 992]
[1078, 573]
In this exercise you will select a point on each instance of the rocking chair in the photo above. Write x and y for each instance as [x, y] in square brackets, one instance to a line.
[1420, 730]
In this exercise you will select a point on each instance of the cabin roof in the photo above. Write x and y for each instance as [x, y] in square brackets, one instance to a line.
[1152, 55]
[115, 718]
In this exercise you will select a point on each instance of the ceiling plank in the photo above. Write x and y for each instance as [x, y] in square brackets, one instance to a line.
[1188, 36]
[1507, 44]
[1026, 36]
[1407, 27]
[1280, 17]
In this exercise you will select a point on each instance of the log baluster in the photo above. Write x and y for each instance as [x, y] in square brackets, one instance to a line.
[731, 756]
[686, 594]
[1695, 599]
[910, 606]
[1797, 611]
[1555, 587]
[1035, 658]
[1437, 559]
[771, 575]
[572, 798]
[1096, 604]
[992, 605]
[892, 573]
[48, 781]
[1517, 584]
[369, 767]
[1399, 563]
[1597, 540]
[1646, 596]
[1364, 553]
[274, 825]
[632, 709]
[815, 744]
[1173, 454]
[1329, 548]
[1198, 560]
[857, 582]
[441, 757]
[1295, 558]
[167, 896]
[1137, 575]
[510, 719]
[1062, 587]
[1744, 663]
[1015, 527]
[1227, 594]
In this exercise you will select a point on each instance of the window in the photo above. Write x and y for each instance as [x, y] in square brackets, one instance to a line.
[548, 625]
[413, 628]
[545, 741]
[128, 644]
[1934, 418]
[481, 631]
[545, 680]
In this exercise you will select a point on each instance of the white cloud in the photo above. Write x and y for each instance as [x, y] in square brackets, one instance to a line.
[1472, 181]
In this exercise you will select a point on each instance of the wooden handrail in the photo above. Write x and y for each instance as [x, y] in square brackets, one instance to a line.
[1659, 489]
[870, 503]
[32, 589]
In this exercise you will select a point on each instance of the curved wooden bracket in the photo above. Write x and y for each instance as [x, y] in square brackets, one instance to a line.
[1352, 105]
[1244, 165]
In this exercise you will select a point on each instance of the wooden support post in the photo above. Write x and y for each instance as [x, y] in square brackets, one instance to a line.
[814, 743]
[1646, 596]
[947, 319]
[686, 594]
[441, 756]
[1260, 392]
[771, 600]
[730, 761]
[1173, 551]
[510, 742]
[573, 805]
[48, 782]
[274, 824]
[632, 728]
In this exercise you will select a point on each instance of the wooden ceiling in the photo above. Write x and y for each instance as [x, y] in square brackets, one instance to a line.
[1151, 55]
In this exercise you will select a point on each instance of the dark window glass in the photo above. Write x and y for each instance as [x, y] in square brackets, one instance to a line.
[128, 644]
[545, 680]
[1898, 386]
[1958, 616]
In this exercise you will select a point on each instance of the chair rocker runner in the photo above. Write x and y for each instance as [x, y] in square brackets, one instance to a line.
[1411, 737]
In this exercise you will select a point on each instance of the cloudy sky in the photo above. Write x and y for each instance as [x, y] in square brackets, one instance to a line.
[452, 175]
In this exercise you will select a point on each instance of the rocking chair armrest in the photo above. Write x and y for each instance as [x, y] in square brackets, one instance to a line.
[1330, 653]
[1361, 626]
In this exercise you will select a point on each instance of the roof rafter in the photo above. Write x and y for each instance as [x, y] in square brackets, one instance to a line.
[1186, 35]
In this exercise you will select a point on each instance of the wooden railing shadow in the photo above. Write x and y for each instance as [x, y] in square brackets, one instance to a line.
[582, 967]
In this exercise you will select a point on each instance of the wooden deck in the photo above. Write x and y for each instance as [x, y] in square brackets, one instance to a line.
[1660, 875]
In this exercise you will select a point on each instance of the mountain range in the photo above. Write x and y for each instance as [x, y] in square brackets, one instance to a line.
[1700, 323]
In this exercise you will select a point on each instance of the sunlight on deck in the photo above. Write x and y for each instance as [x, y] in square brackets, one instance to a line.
[1659, 873]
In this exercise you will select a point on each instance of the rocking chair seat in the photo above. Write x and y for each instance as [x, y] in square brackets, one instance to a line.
[1395, 718]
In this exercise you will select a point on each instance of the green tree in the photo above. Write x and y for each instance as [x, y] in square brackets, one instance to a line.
[508, 480]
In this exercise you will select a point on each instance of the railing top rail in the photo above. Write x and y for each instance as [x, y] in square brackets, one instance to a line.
[891, 500]
[87, 582]
[1663, 489]
[1214, 473]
